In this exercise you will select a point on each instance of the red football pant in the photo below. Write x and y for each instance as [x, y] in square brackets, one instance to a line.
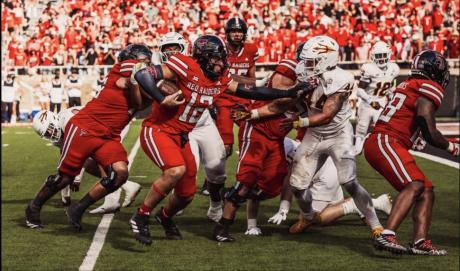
[79, 145]
[393, 161]
[224, 124]
[165, 151]
[262, 161]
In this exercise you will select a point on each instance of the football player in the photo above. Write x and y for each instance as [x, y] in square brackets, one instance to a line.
[410, 111]
[95, 132]
[374, 88]
[164, 137]
[50, 126]
[330, 132]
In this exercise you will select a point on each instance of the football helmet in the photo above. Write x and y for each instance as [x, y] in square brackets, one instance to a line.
[299, 50]
[236, 24]
[207, 49]
[172, 38]
[46, 124]
[135, 51]
[431, 65]
[319, 54]
[380, 54]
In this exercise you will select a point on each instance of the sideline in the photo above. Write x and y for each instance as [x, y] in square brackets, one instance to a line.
[436, 159]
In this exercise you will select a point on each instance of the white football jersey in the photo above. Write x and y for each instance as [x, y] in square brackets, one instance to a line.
[334, 81]
[379, 81]
[65, 115]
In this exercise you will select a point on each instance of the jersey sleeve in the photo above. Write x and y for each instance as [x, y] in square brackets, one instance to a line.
[431, 91]
[286, 68]
[178, 64]
[126, 67]
[340, 82]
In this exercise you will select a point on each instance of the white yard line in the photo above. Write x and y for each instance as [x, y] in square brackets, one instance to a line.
[103, 228]
[436, 159]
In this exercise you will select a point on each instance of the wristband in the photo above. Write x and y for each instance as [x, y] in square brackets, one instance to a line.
[255, 114]
[304, 122]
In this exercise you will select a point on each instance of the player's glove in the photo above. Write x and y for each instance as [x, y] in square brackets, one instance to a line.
[253, 231]
[239, 113]
[139, 66]
[454, 148]
[419, 144]
[304, 88]
[278, 217]
[75, 186]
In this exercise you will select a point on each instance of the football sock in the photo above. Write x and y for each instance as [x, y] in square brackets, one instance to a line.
[252, 223]
[214, 191]
[304, 199]
[363, 201]
[144, 210]
[388, 232]
[85, 202]
[225, 222]
[215, 204]
[349, 207]
[419, 241]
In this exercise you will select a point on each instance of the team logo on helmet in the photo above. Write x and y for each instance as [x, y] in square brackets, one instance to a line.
[323, 49]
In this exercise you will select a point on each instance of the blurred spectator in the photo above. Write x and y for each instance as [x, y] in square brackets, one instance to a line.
[98, 85]
[43, 92]
[73, 86]
[109, 57]
[9, 88]
[56, 93]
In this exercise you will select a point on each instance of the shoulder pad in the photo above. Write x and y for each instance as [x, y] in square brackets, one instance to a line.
[338, 80]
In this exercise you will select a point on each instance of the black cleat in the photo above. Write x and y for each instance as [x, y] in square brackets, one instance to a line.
[140, 226]
[425, 247]
[389, 243]
[170, 228]
[74, 216]
[221, 234]
[33, 220]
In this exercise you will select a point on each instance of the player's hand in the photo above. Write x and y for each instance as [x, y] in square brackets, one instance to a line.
[168, 87]
[139, 66]
[454, 148]
[253, 231]
[75, 186]
[304, 88]
[419, 144]
[173, 100]
[288, 123]
[375, 105]
[239, 113]
[278, 217]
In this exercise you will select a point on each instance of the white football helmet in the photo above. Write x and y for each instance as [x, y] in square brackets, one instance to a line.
[318, 55]
[46, 124]
[380, 54]
[172, 38]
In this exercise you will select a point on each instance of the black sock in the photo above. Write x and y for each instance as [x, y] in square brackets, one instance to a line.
[43, 196]
[85, 202]
[225, 222]
[214, 191]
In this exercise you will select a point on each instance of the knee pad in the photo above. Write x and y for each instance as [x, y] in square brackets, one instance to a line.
[215, 176]
[233, 196]
[55, 182]
[109, 182]
[257, 194]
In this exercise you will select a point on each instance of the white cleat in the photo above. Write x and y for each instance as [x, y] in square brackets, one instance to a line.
[384, 203]
[132, 189]
[215, 213]
[181, 212]
[254, 231]
[106, 209]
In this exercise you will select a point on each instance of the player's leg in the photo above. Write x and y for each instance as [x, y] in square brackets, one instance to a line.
[252, 209]
[184, 192]
[364, 119]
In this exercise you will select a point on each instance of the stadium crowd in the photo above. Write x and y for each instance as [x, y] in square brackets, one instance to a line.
[91, 32]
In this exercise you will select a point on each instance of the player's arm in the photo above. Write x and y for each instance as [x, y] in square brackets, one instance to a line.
[244, 80]
[363, 83]
[265, 93]
[427, 123]
[331, 107]
[148, 79]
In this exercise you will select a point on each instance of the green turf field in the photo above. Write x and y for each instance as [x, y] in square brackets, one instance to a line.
[345, 245]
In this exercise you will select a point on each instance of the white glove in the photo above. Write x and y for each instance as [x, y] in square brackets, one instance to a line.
[419, 144]
[139, 66]
[454, 149]
[253, 231]
[278, 217]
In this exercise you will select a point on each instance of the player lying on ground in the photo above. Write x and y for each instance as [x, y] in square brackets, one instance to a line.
[95, 132]
[51, 126]
[164, 136]
[327, 196]
[411, 110]
[375, 87]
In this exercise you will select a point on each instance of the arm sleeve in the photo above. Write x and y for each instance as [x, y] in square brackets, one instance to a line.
[148, 78]
[263, 93]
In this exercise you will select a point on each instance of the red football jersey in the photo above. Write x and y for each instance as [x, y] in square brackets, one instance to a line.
[271, 126]
[398, 117]
[109, 112]
[240, 64]
[199, 92]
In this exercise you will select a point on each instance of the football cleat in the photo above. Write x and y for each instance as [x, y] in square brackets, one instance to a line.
[383, 203]
[170, 228]
[132, 189]
[33, 220]
[389, 243]
[140, 226]
[106, 208]
[255, 231]
[302, 224]
[215, 213]
[74, 216]
[425, 247]
[221, 234]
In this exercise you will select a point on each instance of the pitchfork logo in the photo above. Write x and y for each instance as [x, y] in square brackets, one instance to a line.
[43, 117]
[323, 49]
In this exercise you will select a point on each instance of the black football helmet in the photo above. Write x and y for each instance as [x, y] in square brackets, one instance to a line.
[299, 50]
[236, 24]
[431, 65]
[134, 51]
[207, 47]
